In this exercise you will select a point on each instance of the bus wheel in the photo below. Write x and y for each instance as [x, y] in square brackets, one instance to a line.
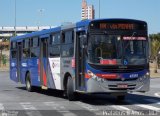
[121, 98]
[28, 83]
[70, 89]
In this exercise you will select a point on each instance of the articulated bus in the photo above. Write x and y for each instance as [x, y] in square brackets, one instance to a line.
[91, 56]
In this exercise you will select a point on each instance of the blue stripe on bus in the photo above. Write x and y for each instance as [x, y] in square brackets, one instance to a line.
[124, 75]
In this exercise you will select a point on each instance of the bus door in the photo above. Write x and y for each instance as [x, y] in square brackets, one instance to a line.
[43, 62]
[19, 58]
[80, 61]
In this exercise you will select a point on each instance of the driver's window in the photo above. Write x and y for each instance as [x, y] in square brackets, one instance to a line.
[99, 52]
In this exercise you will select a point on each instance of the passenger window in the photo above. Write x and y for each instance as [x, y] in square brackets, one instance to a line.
[26, 48]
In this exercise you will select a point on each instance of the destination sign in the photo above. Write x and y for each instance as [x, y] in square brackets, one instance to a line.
[120, 26]
[134, 38]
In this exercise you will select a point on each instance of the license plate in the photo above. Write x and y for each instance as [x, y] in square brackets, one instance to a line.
[122, 86]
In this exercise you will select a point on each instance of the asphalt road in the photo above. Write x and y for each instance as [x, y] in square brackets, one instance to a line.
[15, 100]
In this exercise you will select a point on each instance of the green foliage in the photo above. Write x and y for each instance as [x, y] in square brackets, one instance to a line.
[155, 45]
[155, 49]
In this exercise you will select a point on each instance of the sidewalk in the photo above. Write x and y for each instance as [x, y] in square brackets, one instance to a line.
[155, 75]
[4, 69]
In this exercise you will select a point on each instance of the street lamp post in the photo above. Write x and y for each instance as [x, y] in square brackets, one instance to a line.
[15, 8]
[41, 12]
[99, 8]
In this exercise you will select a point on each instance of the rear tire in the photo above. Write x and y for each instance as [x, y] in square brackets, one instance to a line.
[29, 87]
[70, 89]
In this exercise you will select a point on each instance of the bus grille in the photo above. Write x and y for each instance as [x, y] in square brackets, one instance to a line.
[114, 87]
[119, 79]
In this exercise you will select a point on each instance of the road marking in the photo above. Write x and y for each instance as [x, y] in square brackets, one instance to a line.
[1, 106]
[120, 107]
[93, 109]
[98, 111]
[145, 106]
[60, 109]
[27, 106]
[30, 109]
[87, 106]
[125, 109]
[149, 107]
[33, 113]
[157, 94]
[153, 101]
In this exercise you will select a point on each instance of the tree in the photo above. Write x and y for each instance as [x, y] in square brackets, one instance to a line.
[155, 48]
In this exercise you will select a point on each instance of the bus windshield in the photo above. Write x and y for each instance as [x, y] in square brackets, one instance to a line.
[115, 50]
[135, 50]
[103, 49]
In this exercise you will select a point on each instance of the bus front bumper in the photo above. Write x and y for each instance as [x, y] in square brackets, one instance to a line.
[141, 84]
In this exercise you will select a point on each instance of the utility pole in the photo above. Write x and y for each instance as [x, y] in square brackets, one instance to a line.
[99, 9]
[1, 47]
[41, 13]
[15, 16]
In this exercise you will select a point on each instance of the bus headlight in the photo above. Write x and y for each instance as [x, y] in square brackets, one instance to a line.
[95, 77]
[144, 77]
[91, 75]
[147, 74]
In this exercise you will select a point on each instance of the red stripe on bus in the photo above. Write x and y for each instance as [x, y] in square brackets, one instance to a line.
[87, 76]
[44, 78]
[105, 76]
[44, 74]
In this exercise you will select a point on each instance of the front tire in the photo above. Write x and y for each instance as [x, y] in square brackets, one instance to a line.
[70, 89]
[29, 87]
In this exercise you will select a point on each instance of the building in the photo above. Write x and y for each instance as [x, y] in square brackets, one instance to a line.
[88, 11]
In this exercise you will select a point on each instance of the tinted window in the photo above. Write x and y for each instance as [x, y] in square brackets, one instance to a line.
[69, 37]
[63, 38]
[35, 42]
[13, 53]
[26, 53]
[26, 43]
[67, 50]
[54, 51]
[13, 45]
[55, 39]
[35, 52]
[26, 48]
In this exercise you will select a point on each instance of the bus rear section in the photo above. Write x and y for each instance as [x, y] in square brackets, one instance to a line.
[116, 57]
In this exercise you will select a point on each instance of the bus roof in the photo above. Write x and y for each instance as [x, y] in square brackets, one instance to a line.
[79, 24]
[52, 30]
[37, 33]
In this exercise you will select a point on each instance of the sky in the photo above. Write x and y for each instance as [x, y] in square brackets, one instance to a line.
[54, 12]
